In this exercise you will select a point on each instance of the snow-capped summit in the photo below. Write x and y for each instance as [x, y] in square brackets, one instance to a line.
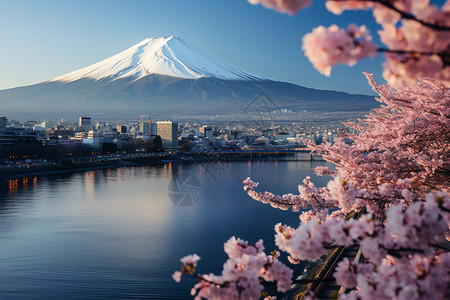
[166, 56]
[165, 76]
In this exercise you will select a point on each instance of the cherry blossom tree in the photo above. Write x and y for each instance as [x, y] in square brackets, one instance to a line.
[393, 173]
[389, 192]
[416, 35]
[407, 137]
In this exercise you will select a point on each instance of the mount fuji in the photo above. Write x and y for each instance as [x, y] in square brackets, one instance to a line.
[169, 56]
[165, 75]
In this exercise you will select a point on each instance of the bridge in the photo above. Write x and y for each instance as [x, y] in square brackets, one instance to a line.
[303, 154]
[257, 150]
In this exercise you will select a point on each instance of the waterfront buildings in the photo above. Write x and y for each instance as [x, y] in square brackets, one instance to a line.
[198, 135]
[10, 135]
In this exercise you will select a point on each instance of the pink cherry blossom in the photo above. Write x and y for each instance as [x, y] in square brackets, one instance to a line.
[327, 47]
[417, 150]
[346, 273]
[190, 260]
[241, 275]
[237, 247]
[177, 276]
[337, 7]
[284, 6]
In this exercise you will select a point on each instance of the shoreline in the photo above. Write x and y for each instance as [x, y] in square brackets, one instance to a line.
[60, 169]
[54, 171]
[130, 162]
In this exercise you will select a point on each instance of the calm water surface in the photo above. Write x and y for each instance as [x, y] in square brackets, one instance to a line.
[116, 233]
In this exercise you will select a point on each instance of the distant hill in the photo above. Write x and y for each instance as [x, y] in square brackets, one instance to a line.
[165, 75]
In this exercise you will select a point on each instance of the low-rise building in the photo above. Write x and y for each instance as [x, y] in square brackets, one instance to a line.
[10, 135]
[93, 139]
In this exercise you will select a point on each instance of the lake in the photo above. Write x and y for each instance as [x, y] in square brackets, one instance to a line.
[119, 233]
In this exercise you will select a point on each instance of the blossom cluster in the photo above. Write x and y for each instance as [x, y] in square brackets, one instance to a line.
[339, 193]
[415, 32]
[309, 195]
[243, 273]
[400, 250]
[407, 138]
[418, 277]
[327, 47]
[285, 6]
[414, 226]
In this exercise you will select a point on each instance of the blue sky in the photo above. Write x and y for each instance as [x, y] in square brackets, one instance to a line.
[44, 39]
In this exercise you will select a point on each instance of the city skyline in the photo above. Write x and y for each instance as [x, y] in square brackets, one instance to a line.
[48, 39]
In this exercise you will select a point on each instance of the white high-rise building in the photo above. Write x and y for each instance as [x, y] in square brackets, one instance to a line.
[168, 131]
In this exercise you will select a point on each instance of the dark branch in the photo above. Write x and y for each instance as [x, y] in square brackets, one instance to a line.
[409, 16]
[444, 208]
[397, 252]
[440, 247]
[406, 15]
[199, 277]
[284, 203]
[441, 54]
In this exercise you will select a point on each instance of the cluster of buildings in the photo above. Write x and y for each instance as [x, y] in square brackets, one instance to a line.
[253, 136]
[10, 135]
[189, 136]
[87, 133]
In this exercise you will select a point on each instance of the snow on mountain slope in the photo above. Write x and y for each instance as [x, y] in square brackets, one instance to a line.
[165, 55]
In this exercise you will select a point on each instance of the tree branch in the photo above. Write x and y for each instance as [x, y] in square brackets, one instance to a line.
[409, 16]
[199, 277]
[404, 15]
[410, 107]
[440, 54]
[444, 208]
[396, 252]
[439, 247]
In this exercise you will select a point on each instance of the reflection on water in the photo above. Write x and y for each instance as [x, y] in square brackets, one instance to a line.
[116, 234]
